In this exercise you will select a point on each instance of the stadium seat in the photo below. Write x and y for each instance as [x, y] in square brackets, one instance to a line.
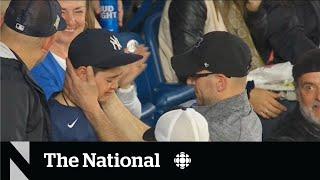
[147, 8]
[142, 83]
[139, 16]
[165, 96]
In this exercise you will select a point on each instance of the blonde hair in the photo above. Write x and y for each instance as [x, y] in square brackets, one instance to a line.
[4, 5]
[90, 17]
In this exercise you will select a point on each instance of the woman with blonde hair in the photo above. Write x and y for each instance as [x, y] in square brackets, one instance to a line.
[50, 74]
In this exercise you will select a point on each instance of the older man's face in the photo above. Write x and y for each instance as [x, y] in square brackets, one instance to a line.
[308, 93]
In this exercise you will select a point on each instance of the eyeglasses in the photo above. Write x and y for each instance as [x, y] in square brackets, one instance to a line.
[196, 76]
[201, 75]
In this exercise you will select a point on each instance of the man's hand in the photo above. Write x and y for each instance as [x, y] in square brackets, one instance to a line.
[83, 93]
[132, 71]
[265, 103]
[253, 5]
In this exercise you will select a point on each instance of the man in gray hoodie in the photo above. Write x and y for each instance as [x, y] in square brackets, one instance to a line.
[217, 67]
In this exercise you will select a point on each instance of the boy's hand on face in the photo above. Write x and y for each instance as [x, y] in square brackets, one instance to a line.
[132, 71]
[143, 51]
[83, 93]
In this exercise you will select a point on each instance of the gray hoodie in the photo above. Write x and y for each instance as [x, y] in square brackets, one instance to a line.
[232, 120]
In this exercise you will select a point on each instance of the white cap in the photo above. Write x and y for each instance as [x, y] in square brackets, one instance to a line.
[182, 125]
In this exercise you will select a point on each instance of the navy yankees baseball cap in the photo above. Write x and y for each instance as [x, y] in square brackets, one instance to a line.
[99, 48]
[37, 18]
[219, 52]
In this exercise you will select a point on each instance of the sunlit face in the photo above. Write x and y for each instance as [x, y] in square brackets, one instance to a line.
[107, 82]
[205, 88]
[74, 13]
[308, 94]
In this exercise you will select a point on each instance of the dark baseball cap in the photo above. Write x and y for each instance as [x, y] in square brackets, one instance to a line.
[37, 18]
[99, 48]
[218, 52]
[307, 63]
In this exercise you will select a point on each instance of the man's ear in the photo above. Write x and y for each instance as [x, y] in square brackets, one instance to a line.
[82, 72]
[48, 43]
[221, 83]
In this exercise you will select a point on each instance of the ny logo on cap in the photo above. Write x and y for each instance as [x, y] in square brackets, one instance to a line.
[115, 42]
[57, 22]
[206, 64]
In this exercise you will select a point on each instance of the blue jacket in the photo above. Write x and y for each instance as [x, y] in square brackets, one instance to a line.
[49, 75]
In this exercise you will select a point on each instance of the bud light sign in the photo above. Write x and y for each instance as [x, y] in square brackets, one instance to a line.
[108, 12]
[109, 15]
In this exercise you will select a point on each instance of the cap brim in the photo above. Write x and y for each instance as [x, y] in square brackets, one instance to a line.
[121, 59]
[185, 64]
[149, 135]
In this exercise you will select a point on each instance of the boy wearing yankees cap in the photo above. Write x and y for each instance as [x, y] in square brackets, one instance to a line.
[88, 108]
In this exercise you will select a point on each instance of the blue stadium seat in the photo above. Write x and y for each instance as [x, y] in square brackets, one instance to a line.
[139, 16]
[142, 83]
[165, 96]
[147, 8]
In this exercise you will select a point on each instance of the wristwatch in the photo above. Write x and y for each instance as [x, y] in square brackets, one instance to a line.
[249, 87]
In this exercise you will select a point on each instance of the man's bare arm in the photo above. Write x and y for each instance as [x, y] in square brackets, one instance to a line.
[120, 116]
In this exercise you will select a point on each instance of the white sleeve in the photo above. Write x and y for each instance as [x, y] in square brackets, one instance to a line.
[130, 99]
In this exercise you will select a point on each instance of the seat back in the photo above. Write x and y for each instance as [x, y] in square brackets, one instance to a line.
[139, 16]
[151, 30]
[146, 9]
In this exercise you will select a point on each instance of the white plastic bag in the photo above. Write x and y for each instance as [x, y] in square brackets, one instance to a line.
[277, 77]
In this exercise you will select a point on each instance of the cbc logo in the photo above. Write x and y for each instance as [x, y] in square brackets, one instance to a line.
[182, 160]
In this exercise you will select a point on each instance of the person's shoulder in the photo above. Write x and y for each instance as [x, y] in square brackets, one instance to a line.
[15, 91]
[287, 131]
[9, 66]
[15, 81]
[12, 75]
[252, 115]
